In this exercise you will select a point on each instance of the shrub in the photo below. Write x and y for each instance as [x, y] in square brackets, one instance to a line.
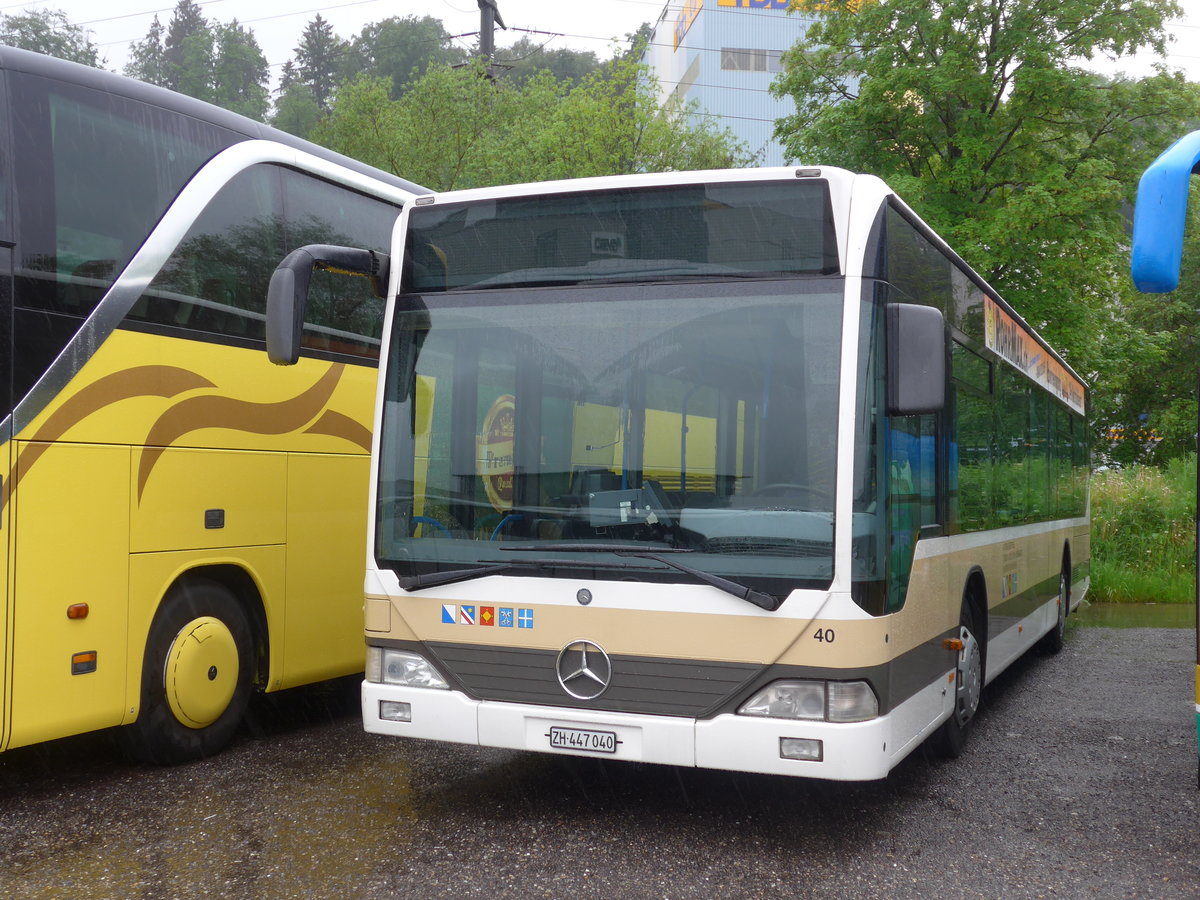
[1143, 533]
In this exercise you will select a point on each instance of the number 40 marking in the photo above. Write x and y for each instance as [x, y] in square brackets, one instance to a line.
[824, 635]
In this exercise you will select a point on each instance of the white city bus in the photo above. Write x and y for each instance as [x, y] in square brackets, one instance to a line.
[741, 470]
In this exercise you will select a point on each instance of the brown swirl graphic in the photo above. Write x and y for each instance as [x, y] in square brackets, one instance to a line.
[140, 381]
[210, 411]
[335, 424]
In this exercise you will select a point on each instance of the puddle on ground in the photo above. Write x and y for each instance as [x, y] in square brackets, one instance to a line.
[1136, 615]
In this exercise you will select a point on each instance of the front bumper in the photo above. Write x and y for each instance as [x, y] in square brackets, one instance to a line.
[859, 751]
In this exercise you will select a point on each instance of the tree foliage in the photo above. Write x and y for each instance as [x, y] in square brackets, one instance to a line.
[187, 49]
[215, 62]
[977, 113]
[51, 33]
[458, 128]
[240, 73]
[527, 57]
[148, 57]
[319, 58]
[399, 49]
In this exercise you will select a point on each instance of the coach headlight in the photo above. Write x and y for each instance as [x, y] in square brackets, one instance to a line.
[387, 666]
[818, 701]
[788, 700]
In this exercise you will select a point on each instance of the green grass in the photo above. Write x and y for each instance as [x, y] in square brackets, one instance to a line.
[1143, 534]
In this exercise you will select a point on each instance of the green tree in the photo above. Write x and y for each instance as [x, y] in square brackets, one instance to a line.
[978, 114]
[187, 51]
[457, 128]
[51, 33]
[148, 57]
[399, 49]
[296, 110]
[319, 59]
[240, 71]
[527, 57]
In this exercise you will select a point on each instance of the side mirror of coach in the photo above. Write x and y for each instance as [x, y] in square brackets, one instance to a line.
[916, 359]
[287, 294]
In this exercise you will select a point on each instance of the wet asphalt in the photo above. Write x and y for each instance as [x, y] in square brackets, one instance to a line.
[1079, 781]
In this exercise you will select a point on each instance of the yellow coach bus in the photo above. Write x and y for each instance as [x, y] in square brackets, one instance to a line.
[740, 470]
[181, 522]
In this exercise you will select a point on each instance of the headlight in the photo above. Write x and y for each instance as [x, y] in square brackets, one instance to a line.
[387, 666]
[788, 700]
[829, 701]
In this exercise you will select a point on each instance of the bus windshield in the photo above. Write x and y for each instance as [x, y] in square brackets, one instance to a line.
[693, 418]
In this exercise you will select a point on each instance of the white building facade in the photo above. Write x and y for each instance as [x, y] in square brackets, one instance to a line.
[723, 55]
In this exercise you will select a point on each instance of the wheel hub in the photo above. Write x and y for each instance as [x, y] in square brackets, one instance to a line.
[201, 672]
[969, 678]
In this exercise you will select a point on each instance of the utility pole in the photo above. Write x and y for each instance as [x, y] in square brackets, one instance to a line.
[489, 18]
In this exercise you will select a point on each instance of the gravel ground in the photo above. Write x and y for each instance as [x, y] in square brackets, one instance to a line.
[1079, 781]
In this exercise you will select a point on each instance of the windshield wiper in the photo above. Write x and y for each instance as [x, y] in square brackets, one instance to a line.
[436, 579]
[433, 579]
[758, 598]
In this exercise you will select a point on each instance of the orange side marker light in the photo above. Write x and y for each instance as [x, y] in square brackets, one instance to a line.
[77, 611]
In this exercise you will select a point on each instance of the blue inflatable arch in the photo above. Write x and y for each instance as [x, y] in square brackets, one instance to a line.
[1160, 214]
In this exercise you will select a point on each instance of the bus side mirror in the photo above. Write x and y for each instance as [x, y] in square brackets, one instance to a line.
[287, 294]
[916, 354]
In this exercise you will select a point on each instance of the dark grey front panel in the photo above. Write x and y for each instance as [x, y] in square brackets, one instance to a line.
[665, 687]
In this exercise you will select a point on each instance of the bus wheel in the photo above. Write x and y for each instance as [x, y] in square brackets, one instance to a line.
[1053, 640]
[196, 675]
[951, 738]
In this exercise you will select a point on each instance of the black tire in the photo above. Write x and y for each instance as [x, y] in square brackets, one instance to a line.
[196, 675]
[1054, 639]
[951, 738]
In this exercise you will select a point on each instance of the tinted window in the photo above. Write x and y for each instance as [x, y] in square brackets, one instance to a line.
[343, 315]
[96, 172]
[632, 234]
[915, 267]
[216, 280]
[215, 283]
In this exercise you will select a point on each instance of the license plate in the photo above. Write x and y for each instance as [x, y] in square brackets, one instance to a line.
[583, 739]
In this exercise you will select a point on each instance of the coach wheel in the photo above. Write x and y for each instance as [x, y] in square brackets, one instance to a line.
[951, 738]
[1055, 637]
[196, 675]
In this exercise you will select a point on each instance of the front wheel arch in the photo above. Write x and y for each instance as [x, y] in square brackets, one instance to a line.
[970, 673]
[201, 661]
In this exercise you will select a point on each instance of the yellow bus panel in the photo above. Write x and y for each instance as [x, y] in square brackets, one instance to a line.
[327, 539]
[209, 498]
[72, 513]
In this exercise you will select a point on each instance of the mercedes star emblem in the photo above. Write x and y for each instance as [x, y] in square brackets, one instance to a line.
[584, 670]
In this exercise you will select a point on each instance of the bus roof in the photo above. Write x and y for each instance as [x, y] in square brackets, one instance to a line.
[17, 60]
[1161, 214]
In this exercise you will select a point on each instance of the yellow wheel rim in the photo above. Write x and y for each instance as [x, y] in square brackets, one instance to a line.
[201, 672]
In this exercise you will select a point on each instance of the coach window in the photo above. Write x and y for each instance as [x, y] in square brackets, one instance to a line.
[344, 316]
[216, 280]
